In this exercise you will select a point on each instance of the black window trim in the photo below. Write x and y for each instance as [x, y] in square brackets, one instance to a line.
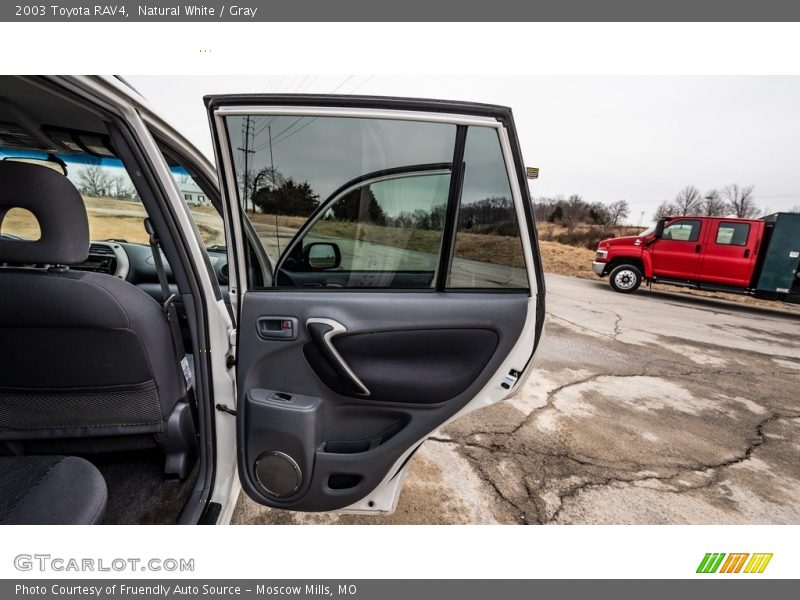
[453, 206]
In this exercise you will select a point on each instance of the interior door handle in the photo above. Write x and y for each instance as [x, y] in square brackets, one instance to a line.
[277, 328]
[322, 331]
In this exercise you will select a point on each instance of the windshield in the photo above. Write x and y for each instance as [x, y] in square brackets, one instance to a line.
[648, 231]
[208, 220]
[113, 206]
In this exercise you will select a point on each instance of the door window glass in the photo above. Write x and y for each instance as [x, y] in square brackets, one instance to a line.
[362, 202]
[376, 189]
[682, 231]
[287, 166]
[488, 248]
[385, 233]
[733, 234]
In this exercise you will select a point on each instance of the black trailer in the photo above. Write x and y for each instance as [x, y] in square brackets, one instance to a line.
[777, 274]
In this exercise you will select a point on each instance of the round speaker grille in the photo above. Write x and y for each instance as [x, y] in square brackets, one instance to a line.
[277, 474]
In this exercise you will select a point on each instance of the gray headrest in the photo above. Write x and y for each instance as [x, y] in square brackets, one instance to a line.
[57, 206]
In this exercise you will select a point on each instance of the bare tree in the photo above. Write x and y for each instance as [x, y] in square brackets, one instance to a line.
[120, 187]
[575, 211]
[796, 209]
[93, 181]
[714, 205]
[688, 201]
[618, 211]
[741, 202]
[599, 213]
[543, 208]
[665, 209]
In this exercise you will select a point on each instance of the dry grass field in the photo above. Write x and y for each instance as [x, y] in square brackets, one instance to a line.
[111, 218]
[496, 249]
[567, 260]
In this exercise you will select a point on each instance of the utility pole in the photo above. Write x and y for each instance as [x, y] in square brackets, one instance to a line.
[272, 177]
[247, 152]
[271, 161]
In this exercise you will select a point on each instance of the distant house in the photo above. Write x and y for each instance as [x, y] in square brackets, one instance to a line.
[193, 195]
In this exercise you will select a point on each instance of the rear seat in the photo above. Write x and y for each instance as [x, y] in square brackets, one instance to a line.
[50, 490]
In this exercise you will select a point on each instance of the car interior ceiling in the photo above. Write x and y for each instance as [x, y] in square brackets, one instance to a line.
[94, 410]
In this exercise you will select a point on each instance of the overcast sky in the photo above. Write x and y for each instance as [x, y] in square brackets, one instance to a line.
[640, 139]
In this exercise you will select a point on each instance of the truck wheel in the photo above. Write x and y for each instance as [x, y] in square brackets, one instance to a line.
[625, 279]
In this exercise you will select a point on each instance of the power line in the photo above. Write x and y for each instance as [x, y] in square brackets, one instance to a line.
[338, 87]
[269, 82]
[287, 132]
[267, 123]
[312, 79]
[278, 137]
[362, 84]
[298, 130]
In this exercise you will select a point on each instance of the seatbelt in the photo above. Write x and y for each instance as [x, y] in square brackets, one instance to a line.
[170, 312]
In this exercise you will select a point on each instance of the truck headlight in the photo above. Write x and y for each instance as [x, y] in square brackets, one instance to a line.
[601, 254]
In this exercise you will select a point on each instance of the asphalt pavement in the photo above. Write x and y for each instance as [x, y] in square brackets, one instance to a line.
[654, 407]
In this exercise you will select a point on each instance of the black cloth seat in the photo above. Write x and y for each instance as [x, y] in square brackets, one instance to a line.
[50, 490]
[85, 356]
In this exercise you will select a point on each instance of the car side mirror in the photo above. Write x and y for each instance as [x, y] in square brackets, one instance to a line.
[659, 231]
[319, 256]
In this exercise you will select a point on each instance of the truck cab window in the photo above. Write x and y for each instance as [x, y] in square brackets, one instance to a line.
[682, 231]
[733, 234]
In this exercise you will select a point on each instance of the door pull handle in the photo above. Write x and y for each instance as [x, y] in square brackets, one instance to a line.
[322, 331]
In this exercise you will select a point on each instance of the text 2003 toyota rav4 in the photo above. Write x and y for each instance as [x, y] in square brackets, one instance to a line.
[366, 271]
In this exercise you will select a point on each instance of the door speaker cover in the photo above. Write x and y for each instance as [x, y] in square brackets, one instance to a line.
[277, 474]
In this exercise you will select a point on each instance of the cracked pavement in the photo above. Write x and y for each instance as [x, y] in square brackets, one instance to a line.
[649, 408]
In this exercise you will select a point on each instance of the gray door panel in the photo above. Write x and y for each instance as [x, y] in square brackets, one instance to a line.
[304, 445]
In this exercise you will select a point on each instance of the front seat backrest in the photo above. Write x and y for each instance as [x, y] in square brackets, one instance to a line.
[81, 354]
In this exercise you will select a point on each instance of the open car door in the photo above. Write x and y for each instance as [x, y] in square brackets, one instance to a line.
[403, 285]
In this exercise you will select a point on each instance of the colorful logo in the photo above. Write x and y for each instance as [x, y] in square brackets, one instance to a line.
[734, 563]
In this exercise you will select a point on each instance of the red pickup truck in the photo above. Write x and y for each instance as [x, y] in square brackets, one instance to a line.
[760, 257]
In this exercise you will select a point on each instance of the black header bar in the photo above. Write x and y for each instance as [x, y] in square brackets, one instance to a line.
[405, 10]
